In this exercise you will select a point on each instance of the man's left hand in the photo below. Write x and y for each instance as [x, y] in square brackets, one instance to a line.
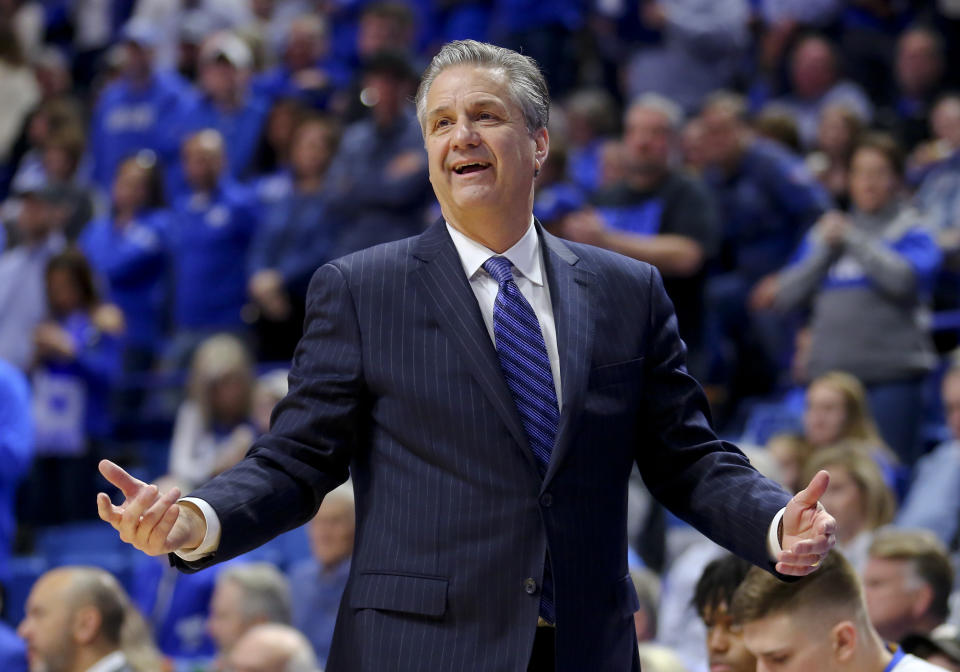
[809, 532]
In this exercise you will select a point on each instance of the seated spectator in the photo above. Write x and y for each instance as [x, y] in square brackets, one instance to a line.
[54, 118]
[816, 623]
[857, 497]
[298, 235]
[210, 232]
[907, 583]
[80, 618]
[136, 111]
[19, 91]
[377, 184]
[941, 648]
[647, 585]
[23, 302]
[938, 164]
[77, 361]
[245, 595]
[13, 650]
[212, 431]
[702, 50]
[271, 165]
[816, 83]
[867, 277]
[72, 203]
[837, 135]
[767, 199]
[790, 452]
[269, 390]
[127, 250]
[657, 214]
[321, 579]
[16, 452]
[273, 647]
[713, 598]
[931, 502]
[591, 121]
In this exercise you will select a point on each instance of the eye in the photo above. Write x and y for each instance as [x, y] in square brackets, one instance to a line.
[486, 116]
[440, 124]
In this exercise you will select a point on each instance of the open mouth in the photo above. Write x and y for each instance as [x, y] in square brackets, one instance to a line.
[472, 167]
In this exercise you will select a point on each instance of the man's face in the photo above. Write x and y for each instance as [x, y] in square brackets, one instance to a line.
[227, 621]
[47, 626]
[726, 651]
[783, 644]
[252, 654]
[919, 64]
[893, 592]
[812, 69]
[34, 221]
[481, 157]
[647, 137]
[719, 137]
[202, 164]
[331, 532]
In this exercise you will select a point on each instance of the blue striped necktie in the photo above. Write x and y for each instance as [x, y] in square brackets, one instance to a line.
[526, 367]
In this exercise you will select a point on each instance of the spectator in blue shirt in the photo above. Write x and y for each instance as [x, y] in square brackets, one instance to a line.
[135, 112]
[210, 232]
[377, 184]
[297, 235]
[16, 451]
[319, 581]
[767, 199]
[226, 103]
[127, 252]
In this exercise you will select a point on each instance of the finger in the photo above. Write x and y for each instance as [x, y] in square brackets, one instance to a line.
[795, 570]
[158, 536]
[133, 511]
[828, 526]
[108, 512]
[816, 546]
[128, 485]
[788, 558]
[810, 495]
[150, 517]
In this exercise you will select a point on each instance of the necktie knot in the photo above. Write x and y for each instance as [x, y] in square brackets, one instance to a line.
[499, 268]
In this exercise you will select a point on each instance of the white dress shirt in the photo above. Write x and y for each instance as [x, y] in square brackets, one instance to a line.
[531, 278]
[112, 662]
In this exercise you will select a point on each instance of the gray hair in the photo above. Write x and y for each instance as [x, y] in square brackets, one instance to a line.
[526, 84]
[266, 593]
[663, 105]
[286, 642]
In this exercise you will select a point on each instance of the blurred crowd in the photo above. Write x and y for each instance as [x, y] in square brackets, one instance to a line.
[173, 171]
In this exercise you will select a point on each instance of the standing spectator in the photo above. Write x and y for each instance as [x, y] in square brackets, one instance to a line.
[767, 199]
[837, 135]
[713, 599]
[377, 184]
[321, 579]
[245, 595]
[23, 303]
[273, 647]
[657, 214]
[16, 451]
[71, 201]
[857, 497]
[907, 583]
[817, 623]
[868, 276]
[271, 167]
[297, 235]
[210, 231]
[126, 249]
[931, 502]
[816, 83]
[135, 112]
[212, 430]
[77, 361]
[703, 49]
[226, 103]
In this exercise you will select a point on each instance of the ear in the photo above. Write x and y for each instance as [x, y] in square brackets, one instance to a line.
[922, 601]
[86, 624]
[843, 641]
[542, 139]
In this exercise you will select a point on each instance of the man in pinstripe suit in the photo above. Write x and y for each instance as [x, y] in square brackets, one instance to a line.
[481, 546]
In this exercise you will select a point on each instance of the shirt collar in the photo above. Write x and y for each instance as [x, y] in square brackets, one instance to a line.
[109, 663]
[524, 255]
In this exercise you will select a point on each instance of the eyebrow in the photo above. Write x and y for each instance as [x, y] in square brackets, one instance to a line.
[486, 101]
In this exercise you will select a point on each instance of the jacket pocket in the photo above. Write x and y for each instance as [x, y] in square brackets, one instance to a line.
[412, 594]
[612, 374]
[626, 597]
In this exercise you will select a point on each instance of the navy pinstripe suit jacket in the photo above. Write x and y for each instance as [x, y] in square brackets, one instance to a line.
[397, 381]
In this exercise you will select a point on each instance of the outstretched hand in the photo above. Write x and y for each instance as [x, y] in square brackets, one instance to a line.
[809, 532]
[148, 521]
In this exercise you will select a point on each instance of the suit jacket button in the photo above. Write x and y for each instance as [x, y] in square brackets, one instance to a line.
[546, 500]
[530, 586]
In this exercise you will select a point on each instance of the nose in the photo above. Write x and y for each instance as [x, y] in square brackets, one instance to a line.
[465, 135]
[717, 639]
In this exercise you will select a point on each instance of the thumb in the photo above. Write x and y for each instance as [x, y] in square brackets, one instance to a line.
[809, 496]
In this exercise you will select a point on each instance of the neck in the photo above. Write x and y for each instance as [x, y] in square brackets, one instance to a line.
[498, 238]
[88, 656]
[311, 184]
[122, 217]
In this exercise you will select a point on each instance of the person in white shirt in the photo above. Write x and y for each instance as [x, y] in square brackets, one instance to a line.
[819, 622]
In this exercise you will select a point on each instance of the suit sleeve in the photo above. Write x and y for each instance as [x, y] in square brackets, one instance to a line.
[284, 477]
[707, 482]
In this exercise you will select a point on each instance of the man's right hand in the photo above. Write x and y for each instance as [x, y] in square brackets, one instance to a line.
[152, 523]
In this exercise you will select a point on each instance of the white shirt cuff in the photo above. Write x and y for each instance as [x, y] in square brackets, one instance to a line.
[211, 540]
[773, 538]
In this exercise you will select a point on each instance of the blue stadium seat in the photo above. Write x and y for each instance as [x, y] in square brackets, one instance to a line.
[92, 536]
[24, 571]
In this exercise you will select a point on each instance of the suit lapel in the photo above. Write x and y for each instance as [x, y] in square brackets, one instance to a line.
[455, 308]
[570, 297]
